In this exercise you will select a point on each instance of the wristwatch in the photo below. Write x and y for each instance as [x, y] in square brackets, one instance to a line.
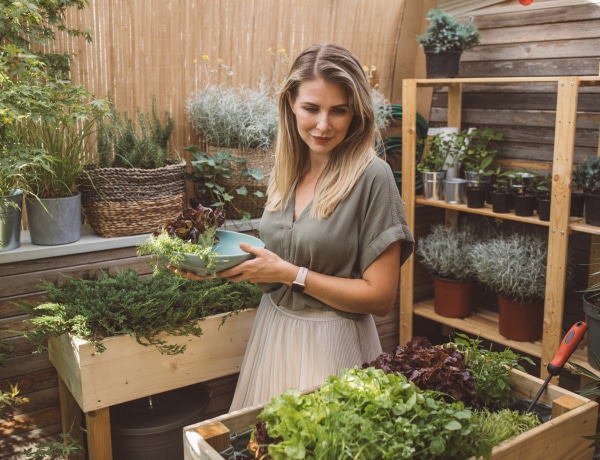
[300, 282]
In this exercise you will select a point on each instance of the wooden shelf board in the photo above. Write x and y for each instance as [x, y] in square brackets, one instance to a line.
[576, 224]
[485, 211]
[483, 323]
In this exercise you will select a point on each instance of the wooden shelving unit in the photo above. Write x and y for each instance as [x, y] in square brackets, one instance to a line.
[560, 226]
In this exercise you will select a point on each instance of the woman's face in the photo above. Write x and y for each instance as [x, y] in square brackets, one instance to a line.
[323, 115]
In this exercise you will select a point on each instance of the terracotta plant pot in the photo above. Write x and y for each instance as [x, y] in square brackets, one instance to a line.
[452, 298]
[520, 321]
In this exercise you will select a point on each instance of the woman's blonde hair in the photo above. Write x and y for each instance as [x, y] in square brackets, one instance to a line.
[349, 159]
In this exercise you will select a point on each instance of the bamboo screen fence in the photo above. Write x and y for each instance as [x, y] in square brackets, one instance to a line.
[154, 48]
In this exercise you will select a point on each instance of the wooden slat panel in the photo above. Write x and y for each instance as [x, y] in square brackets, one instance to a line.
[143, 48]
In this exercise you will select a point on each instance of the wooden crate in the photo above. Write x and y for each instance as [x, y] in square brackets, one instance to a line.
[573, 416]
[127, 370]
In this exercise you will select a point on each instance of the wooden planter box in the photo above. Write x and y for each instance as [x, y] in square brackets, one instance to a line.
[127, 370]
[573, 416]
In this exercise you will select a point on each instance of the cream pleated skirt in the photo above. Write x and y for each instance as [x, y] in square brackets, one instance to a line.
[300, 349]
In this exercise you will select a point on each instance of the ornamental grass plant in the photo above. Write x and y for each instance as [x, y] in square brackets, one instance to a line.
[239, 117]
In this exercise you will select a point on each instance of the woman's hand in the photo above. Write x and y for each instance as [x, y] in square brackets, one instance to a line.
[264, 267]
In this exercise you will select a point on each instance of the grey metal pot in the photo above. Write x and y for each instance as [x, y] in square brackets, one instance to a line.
[10, 223]
[54, 221]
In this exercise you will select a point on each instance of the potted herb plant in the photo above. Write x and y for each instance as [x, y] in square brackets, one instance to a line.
[513, 266]
[439, 154]
[136, 181]
[243, 121]
[444, 41]
[477, 157]
[444, 254]
[586, 177]
[501, 195]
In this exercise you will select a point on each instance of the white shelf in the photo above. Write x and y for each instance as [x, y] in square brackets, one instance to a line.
[91, 242]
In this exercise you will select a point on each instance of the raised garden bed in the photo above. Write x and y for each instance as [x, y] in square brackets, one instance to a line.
[127, 370]
[573, 417]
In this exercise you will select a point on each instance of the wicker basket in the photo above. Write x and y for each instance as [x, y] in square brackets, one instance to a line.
[123, 201]
[250, 203]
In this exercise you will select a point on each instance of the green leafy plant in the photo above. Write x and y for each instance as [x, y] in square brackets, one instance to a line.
[351, 416]
[586, 176]
[193, 231]
[210, 174]
[33, 83]
[65, 447]
[447, 33]
[96, 307]
[475, 153]
[490, 370]
[501, 183]
[439, 152]
[124, 144]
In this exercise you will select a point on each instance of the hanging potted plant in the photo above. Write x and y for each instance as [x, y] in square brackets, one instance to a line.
[514, 268]
[444, 41]
[586, 177]
[444, 254]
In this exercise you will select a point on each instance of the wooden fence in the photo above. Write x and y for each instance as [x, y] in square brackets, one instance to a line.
[146, 48]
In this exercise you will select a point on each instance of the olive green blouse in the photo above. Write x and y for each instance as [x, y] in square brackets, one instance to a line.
[362, 226]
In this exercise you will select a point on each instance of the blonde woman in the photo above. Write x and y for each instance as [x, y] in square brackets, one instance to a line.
[334, 229]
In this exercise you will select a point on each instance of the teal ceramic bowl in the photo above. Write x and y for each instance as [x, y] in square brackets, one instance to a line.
[228, 252]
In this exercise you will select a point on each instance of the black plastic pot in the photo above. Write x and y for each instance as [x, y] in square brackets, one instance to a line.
[577, 204]
[592, 210]
[544, 208]
[476, 197]
[501, 202]
[442, 65]
[525, 204]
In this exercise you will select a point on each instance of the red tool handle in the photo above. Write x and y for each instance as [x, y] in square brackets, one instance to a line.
[567, 347]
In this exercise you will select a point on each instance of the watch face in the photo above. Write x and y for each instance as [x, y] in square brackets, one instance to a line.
[296, 287]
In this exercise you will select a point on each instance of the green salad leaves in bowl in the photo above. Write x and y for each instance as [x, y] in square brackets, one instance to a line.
[193, 242]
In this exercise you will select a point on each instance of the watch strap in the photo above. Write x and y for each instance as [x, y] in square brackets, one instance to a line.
[300, 282]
